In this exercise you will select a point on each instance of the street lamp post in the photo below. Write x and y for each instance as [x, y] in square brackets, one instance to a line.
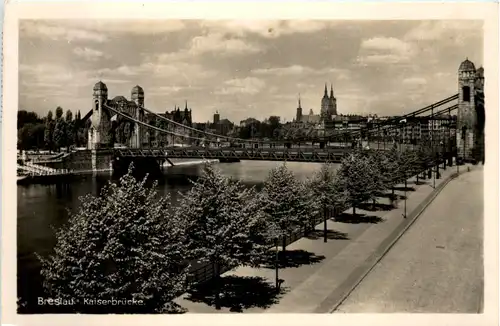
[404, 214]
[276, 264]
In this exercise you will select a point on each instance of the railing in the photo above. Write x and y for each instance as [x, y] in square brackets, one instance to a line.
[37, 170]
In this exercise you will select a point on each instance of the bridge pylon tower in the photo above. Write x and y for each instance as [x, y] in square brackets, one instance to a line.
[470, 117]
[137, 97]
[99, 132]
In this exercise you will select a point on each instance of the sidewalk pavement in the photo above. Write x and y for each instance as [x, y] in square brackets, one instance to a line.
[437, 266]
[328, 271]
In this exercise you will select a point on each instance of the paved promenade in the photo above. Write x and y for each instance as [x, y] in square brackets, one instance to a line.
[437, 266]
[320, 275]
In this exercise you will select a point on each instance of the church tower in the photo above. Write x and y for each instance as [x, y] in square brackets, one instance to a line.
[298, 116]
[324, 105]
[466, 114]
[332, 104]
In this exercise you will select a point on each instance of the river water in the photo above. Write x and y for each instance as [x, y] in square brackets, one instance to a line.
[41, 209]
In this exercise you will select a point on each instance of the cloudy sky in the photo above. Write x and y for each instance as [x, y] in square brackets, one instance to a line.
[245, 68]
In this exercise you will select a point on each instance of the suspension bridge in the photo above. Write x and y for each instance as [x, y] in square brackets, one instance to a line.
[452, 127]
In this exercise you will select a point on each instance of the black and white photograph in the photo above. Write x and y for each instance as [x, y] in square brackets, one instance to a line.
[252, 166]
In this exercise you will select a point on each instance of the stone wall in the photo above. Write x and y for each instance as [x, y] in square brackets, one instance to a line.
[85, 160]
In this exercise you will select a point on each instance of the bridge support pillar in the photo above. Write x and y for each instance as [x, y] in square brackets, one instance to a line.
[93, 159]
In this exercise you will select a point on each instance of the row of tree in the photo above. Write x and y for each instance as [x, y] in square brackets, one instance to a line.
[49, 132]
[131, 243]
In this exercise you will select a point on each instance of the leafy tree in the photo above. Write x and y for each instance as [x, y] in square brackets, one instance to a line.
[71, 133]
[24, 137]
[386, 168]
[59, 113]
[24, 117]
[356, 177]
[60, 137]
[224, 228]
[326, 193]
[286, 202]
[123, 244]
[69, 116]
[49, 131]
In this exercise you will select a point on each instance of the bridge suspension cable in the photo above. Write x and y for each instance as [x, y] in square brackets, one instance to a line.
[150, 126]
[200, 131]
[395, 121]
[396, 126]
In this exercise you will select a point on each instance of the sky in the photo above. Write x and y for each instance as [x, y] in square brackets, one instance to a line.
[245, 68]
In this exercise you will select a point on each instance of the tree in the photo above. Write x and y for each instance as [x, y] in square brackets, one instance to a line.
[326, 193]
[71, 131]
[386, 168]
[24, 137]
[49, 131]
[69, 116]
[356, 179]
[286, 202]
[123, 244]
[60, 136]
[24, 117]
[59, 113]
[223, 225]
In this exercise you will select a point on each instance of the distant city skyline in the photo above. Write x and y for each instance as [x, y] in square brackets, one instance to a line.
[245, 68]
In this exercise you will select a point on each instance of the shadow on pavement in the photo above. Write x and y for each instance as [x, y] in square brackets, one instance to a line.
[418, 183]
[390, 196]
[330, 234]
[404, 189]
[375, 207]
[358, 218]
[238, 293]
[292, 258]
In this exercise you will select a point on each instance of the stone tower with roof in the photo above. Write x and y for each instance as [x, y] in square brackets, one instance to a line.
[471, 116]
[137, 96]
[99, 130]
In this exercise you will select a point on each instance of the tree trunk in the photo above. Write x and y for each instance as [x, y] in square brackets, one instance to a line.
[373, 204]
[217, 286]
[353, 210]
[284, 244]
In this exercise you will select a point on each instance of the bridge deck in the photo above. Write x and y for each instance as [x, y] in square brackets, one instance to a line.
[229, 153]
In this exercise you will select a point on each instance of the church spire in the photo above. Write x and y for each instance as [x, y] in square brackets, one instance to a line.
[326, 91]
[331, 90]
[186, 105]
[299, 102]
